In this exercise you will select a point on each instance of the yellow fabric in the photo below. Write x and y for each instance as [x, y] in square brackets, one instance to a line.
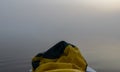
[64, 70]
[70, 61]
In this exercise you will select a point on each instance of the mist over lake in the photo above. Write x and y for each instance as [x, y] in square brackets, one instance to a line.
[28, 27]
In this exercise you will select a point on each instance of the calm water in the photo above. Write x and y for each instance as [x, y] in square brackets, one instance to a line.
[28, 27]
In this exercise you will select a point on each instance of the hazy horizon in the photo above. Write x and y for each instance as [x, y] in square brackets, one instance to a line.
[31, 26]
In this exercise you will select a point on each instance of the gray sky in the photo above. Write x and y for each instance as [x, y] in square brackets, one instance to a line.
[92, 25]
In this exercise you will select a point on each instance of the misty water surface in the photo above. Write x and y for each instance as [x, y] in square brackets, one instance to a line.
[28, 27]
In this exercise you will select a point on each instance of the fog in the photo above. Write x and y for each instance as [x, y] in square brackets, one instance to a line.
[31, 26]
